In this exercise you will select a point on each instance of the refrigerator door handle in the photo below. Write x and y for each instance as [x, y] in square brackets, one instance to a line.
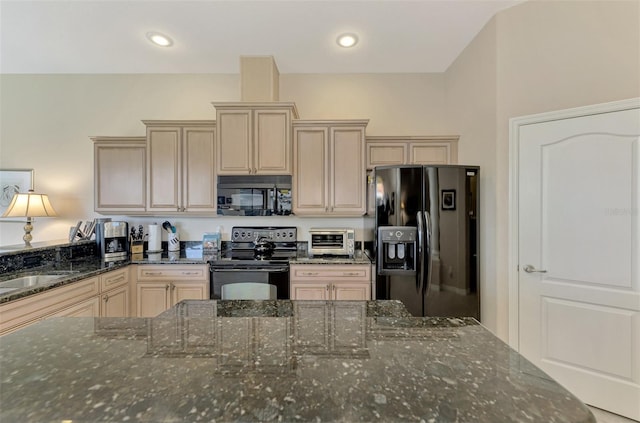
[427, 248]
[420, 266]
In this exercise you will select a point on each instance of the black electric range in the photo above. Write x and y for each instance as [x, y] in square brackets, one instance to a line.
[240, 263]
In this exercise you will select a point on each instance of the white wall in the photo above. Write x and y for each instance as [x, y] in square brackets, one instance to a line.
[536, 57]
[47, 121]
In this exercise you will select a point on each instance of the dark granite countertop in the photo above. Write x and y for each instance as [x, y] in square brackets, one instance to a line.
[68, 272]
[291, 361]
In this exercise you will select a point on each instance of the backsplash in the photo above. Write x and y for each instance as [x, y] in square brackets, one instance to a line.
[45, 256]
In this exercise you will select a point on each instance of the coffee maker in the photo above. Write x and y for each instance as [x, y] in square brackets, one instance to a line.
[113, 240]
[397, 250]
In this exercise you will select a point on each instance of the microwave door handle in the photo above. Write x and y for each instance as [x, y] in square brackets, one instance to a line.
[420, 266]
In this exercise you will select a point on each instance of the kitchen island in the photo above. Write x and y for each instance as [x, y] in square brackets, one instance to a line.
[273, 361]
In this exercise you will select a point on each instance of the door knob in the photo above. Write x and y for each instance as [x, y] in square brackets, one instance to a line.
[530, 269]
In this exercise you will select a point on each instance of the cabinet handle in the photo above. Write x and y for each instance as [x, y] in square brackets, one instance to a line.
[173, 287]
[328, 287]
[349, 273]
[166, 287]
[152, 273]
[255, 171]
[119, 278]
[309, 273]
[190, 273]
[105, 298]
[326, 209]
[334, 288]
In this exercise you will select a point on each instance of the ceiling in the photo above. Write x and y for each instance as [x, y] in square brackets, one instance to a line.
[79, 36]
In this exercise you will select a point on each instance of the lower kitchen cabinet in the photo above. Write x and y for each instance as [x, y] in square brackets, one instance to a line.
[330, 282]
[75, 299]
[159, 287]
[115, 296]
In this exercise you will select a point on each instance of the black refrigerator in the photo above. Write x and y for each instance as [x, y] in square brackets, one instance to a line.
[427, 239]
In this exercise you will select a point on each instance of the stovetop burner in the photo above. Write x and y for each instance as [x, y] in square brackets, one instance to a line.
[242, 251]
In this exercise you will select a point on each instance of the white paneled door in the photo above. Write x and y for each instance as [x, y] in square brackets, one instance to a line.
[578, 235]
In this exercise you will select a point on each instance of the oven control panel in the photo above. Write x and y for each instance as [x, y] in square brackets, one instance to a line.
[273, 233]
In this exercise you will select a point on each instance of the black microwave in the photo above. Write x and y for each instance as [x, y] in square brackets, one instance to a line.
[259, 195]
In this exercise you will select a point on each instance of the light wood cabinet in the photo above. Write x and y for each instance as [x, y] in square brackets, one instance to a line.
[159, 287]
[426, 150]
[115, 297]
[119, 174]
[181, 166]
[254, 138]
[330, 329]
[330, 282]
[76, 299]
[329, 168]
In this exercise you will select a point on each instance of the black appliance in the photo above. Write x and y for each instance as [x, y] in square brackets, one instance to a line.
[245, 260]
[261, 195]
[427, 243]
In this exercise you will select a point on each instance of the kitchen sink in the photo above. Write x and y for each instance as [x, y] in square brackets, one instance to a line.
[28, 281]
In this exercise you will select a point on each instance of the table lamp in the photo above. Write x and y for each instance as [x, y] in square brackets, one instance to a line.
[29, 205]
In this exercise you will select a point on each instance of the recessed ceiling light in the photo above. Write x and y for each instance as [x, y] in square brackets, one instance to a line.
[159, 39]
[347, 40]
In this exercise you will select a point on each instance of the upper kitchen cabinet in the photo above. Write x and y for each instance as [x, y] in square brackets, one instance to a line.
[119, 162]
[385, 151]
[254, 138]
[181, 166]
[329, 161]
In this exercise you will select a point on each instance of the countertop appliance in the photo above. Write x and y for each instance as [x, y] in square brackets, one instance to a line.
[247, 261]
[113, 240]
[332, 242]
[427, 243]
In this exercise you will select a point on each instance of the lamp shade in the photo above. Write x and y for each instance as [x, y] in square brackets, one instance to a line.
[30, 204]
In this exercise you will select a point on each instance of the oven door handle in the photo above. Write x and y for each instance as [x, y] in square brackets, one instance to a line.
[253, 269]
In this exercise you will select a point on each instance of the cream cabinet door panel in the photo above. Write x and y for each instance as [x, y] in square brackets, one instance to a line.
[199, 169]
[352, 291]
[120, 162]
[429, 154]
[163, 158]
[115, 303]
[152, 299]
[348, 170]
[86, 308]
[272, 142]
[188, 291]
[386, 154]
[235, 155]
[310, 291]
[310, 179]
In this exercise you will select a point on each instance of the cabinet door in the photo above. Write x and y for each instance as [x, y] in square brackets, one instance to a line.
[272, 142]
[234, 152]
[347, 172]
[354, 291]
[86, 308]
[310, 291]
[188, 291]
[163, 158]
[386, 154]
[118, 163]
[198, 171]
[152, 298]
[311, 177]
[115, 303]
[425, 154]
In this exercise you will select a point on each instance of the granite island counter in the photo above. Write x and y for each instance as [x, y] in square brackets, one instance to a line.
[273, 361]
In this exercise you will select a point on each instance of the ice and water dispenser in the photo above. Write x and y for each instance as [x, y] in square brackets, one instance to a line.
[397, 247]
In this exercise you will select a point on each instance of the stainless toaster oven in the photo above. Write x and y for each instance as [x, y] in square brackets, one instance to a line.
[332, 242]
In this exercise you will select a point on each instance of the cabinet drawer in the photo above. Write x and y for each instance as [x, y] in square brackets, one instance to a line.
[114, 279]
[172, 272]
[331, 272]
